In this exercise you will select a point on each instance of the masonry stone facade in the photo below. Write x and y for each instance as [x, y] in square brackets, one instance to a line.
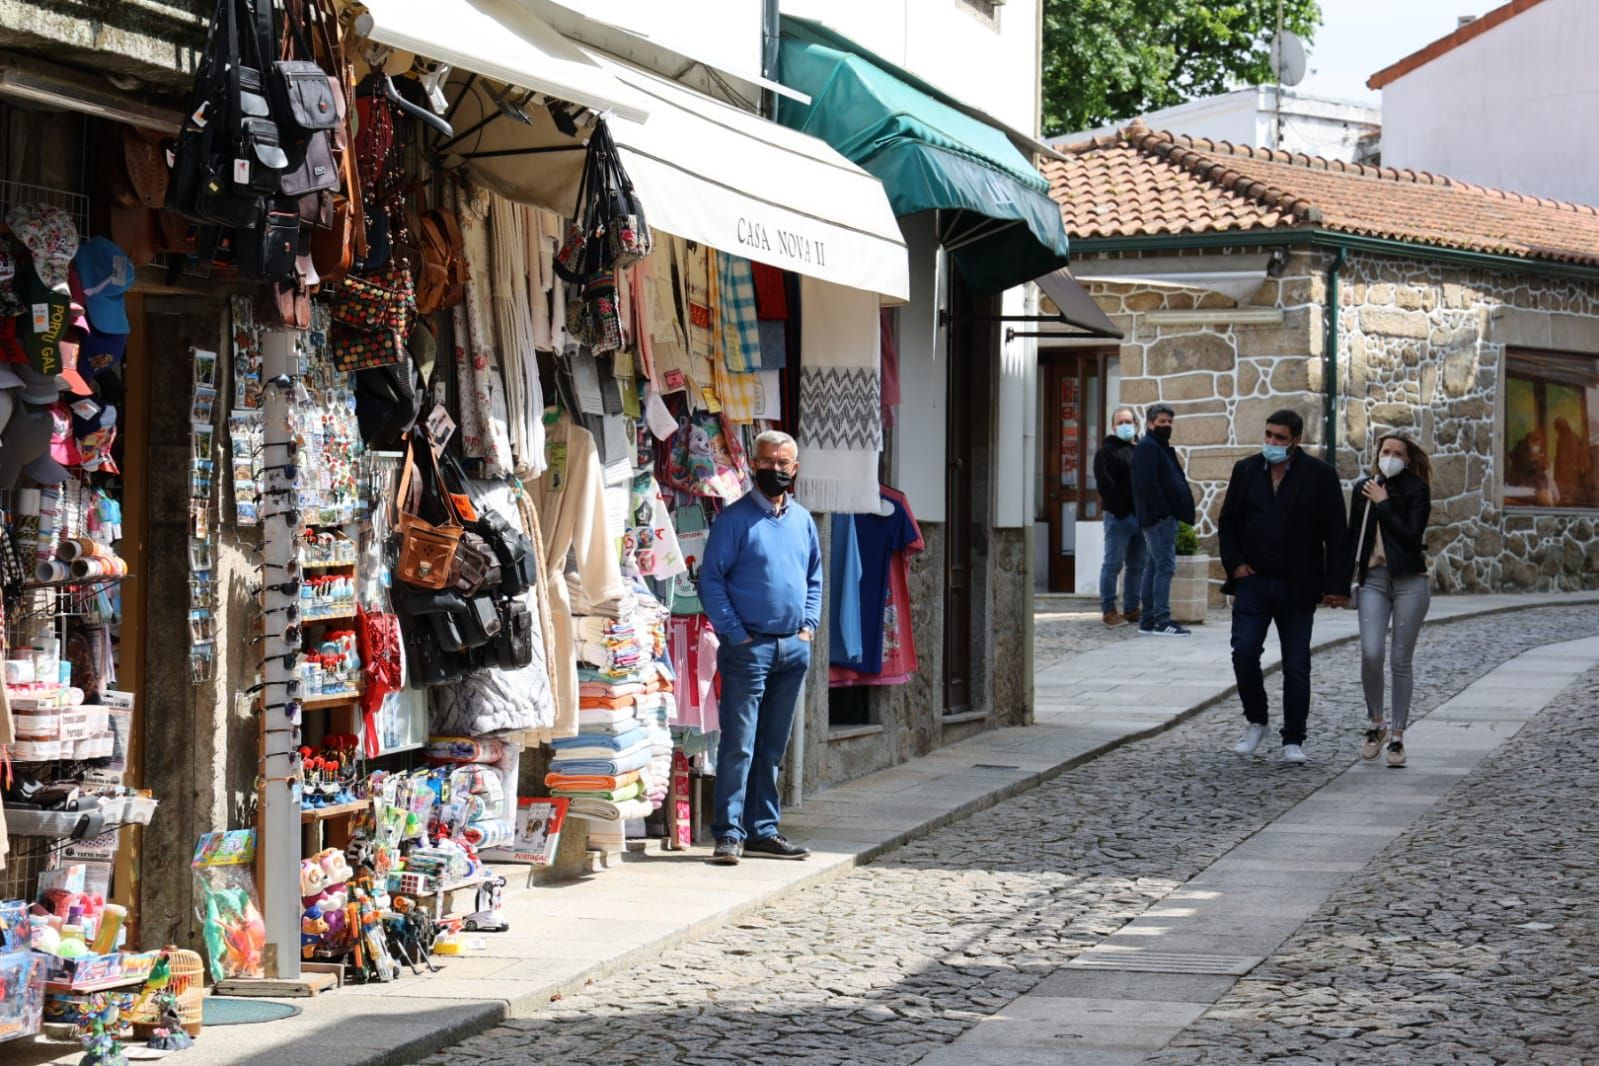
[1421, 347]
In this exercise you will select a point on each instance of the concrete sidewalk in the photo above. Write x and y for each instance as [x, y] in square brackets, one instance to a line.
[564, 935]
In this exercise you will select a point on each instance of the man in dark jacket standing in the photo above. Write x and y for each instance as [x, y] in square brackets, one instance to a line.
[1161, 499]
[1124, 541]
[1285, 547]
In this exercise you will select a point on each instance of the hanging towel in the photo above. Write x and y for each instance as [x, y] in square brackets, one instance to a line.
[840, 416]
[741, 347]
[485, 433]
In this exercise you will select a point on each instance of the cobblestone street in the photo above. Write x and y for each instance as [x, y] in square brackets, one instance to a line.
[1466, 941]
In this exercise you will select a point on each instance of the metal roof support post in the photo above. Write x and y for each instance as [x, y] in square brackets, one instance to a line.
[1330, 355]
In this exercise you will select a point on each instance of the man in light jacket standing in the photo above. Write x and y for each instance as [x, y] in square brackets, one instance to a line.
[1161, 499]
[761, 586]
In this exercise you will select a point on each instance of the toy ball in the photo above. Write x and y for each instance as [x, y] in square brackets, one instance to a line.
[45, 939]
[72, 949]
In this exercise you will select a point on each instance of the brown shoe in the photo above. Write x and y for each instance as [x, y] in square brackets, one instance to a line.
[1113, 619]
[1131, 616]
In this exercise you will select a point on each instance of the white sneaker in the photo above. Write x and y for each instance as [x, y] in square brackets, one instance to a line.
[1251, 739]
[1293, 753]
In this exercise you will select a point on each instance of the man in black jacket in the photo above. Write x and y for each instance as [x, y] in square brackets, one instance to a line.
[1285, 547]
[1124, 541]
[1161, 499]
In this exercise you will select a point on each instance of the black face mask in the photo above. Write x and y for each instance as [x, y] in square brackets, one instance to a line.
[1161, 433]
[773, 483]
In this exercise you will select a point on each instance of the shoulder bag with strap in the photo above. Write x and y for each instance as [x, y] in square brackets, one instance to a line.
[427, 549]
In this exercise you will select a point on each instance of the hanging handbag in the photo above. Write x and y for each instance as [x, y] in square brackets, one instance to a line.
[372, 316]
[583, 249]
[268, 250]
[202, 186]
[441, 281]
[512, 648]
[427, 549]
[627, 232]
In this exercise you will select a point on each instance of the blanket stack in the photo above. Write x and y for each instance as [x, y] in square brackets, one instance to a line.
[618, 768]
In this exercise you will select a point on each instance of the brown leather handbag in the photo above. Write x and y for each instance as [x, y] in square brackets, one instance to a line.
[427, 550]
[441, 281]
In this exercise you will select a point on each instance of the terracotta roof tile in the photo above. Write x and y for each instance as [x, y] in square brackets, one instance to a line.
[1139, 183]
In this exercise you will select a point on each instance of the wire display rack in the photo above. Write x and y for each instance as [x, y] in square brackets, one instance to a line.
[13, 193]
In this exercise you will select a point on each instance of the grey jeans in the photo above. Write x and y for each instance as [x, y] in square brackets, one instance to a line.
[1405, 600]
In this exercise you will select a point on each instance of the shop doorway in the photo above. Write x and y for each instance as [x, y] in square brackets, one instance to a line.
[1077, 384]
[973, 354]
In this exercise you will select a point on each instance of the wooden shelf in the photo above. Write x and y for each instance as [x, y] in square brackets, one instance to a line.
[315, 703]
[93, 986]
[321, 814]
[325, 564]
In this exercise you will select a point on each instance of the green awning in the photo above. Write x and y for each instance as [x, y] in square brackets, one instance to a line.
[998, 221]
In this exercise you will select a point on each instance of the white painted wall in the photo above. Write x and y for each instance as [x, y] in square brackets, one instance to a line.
[923, 376]
[1313, 125]
[945, 44]
[1513, 108]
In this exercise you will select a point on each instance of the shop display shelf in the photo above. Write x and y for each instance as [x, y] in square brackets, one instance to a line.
[327, 564]
[321, 814]
[337, 699]
[94, 986]
[331, 616]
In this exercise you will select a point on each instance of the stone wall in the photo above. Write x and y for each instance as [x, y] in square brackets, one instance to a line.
[1421, 348]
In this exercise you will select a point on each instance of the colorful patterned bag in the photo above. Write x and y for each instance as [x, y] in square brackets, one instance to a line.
[372, 317]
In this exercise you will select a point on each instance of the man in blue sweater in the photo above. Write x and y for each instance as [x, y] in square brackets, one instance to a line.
[1161, 499]
[761, 587]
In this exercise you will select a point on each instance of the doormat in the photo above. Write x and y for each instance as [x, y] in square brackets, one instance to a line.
[221, 1010]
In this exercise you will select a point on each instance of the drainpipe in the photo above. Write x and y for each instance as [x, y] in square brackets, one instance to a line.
[1330, 356]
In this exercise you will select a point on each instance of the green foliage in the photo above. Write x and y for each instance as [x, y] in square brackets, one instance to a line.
[1187, 539]
[1107, 60]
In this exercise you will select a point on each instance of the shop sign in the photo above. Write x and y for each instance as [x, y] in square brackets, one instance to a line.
[787, 244]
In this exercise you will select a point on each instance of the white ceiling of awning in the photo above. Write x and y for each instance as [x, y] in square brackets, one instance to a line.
[742, 184]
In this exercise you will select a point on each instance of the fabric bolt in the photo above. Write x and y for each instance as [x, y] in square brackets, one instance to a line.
[742, 339]
[570, 498]
[840, 429]
[844, 634]
[482, 385]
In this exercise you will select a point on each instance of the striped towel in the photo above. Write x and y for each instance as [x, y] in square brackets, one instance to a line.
[741, 335]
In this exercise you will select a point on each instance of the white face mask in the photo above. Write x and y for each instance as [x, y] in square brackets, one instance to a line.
[1390, 465]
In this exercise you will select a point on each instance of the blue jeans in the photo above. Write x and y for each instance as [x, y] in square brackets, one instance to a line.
[1160, 541]
[1123, 543]
[1257, 603]
[760, 689]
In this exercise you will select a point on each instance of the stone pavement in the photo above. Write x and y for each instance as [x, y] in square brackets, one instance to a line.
[695, 963]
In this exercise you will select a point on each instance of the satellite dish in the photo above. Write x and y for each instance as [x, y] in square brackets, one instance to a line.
[1288, 57]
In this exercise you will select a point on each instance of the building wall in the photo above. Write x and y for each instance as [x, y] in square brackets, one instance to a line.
[1421, 348]
[1497, 110]
[992, 64]
[1333, 129]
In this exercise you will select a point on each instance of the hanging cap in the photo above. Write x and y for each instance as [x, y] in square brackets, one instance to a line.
[51, 235]
[105, 272]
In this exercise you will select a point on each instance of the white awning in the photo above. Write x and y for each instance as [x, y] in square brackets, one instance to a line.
[712, 173]
[497, 39]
